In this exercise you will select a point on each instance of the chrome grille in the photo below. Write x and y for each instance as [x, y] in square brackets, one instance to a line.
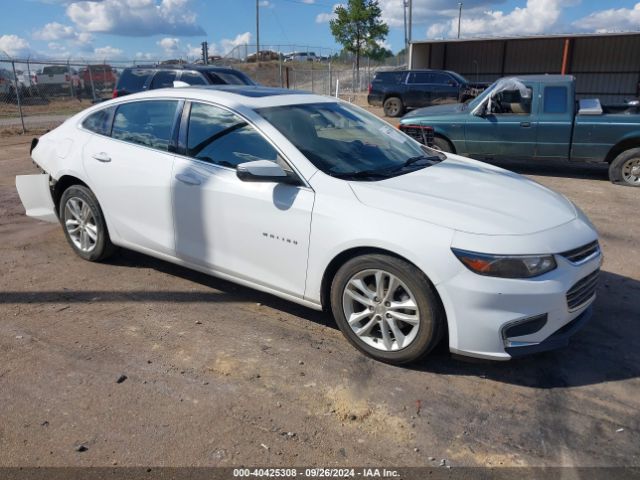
[583, 290]
[578, 254]
[422, 134]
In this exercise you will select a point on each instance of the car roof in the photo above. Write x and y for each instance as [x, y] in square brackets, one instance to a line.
[543, 78]
[251, 96]
[188, 66]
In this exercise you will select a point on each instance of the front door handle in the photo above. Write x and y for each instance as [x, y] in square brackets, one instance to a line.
[102, 157]
[525, 124]
[188, 179]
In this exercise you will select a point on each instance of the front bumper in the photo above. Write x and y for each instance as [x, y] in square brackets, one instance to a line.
[481, 309]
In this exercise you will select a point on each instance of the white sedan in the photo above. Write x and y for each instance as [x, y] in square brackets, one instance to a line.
[321, 203]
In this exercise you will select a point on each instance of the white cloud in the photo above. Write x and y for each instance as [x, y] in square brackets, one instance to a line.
[55, 31]
[611, 20]
[538, 16]
[135, 17]
[428, 11]
[14, 46]
[226, 45]
[266, 4]
[108, 53]
[327, 17]
[170, 45]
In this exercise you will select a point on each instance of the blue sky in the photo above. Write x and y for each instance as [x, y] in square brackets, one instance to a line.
[154, 29]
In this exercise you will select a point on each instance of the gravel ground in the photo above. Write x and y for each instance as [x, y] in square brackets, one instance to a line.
[139, 362]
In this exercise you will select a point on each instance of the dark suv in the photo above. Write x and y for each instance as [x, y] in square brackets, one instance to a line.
[401, 89]
[141, 78]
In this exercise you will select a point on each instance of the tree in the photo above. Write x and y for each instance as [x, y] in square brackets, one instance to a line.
[358, 27]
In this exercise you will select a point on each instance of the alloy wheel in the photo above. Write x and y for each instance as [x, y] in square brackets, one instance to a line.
[381, 310]
[80, 223]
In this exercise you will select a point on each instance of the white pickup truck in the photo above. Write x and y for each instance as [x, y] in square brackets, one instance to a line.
[59, 78]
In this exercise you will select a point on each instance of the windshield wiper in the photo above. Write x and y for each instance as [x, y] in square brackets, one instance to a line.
[430, 158]
[360, 174]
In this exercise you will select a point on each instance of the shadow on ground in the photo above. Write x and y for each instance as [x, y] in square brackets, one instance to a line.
[606, 349]
[556, 168]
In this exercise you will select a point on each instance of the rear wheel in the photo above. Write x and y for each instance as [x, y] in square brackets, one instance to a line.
[393, 107]
[625, 168]
[386, 308]
[83, 224]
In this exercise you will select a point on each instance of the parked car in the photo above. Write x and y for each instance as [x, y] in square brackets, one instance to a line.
[399, 90]
[535, 118]
[59, 78]
[8, 85]
[301, 57]
[98, 77]
[322, 203]
[138, 79]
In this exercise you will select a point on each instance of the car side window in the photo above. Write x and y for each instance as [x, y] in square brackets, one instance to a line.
[555, 99]
[148, 123]
[419, 77]
[220, 137]
[163, 79]
[192, 78]
[100, 121]
[440, 78]
[510, 102]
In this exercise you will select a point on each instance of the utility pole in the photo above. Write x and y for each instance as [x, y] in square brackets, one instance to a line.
[459, 16]
[410, 36]
[257, 30]
[406, 38]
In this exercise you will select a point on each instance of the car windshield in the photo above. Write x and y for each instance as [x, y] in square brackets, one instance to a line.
[480, 98]
[347, 142]
[459, 77]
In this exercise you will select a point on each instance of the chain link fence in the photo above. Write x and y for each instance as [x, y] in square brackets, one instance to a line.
[39, 94]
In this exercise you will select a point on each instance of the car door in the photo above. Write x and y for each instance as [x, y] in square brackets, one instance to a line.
[417, 93]
[555, 122]
[444, 89]
[508, 130]
[130, 173]
[254, 231]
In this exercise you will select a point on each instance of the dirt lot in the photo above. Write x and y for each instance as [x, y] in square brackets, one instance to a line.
[222, 375]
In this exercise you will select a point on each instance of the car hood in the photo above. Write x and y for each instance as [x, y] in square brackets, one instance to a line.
[469, 196]
[436, 110]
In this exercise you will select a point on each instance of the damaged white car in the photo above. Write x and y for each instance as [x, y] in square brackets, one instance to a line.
[321, 203]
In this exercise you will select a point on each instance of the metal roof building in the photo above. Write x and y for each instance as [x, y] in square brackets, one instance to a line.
[605, 65]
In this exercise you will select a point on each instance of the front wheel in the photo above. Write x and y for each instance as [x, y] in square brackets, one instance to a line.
[386, 308]
[83, 224]
[625, 168]
[442, 144]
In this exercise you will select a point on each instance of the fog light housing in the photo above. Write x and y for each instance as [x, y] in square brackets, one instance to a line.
[521, 327]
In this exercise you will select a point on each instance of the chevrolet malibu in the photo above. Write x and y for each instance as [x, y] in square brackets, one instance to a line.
[317, 201]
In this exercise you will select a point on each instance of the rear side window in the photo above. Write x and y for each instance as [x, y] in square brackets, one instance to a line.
[163, 79]
[223, 138]
[192, 78]
[228, 78]
[420, 77]
[133, 80]
[148, 123]
[100, 121]
[555, 99]
[389, 77]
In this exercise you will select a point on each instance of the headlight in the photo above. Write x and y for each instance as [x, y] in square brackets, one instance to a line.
[506, 266]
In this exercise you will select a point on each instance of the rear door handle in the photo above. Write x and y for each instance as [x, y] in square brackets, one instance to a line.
[102, 157]
[188, 179]
[525, 124]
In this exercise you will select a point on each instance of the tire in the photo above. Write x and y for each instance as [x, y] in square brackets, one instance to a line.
[442, 144]
[80, 215]
[412, 288]
[393, 107]
[625, 168]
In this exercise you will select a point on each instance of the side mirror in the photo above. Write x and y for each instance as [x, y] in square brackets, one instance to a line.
[263, 171]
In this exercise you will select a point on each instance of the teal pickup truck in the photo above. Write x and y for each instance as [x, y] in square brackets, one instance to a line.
[535, 117]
